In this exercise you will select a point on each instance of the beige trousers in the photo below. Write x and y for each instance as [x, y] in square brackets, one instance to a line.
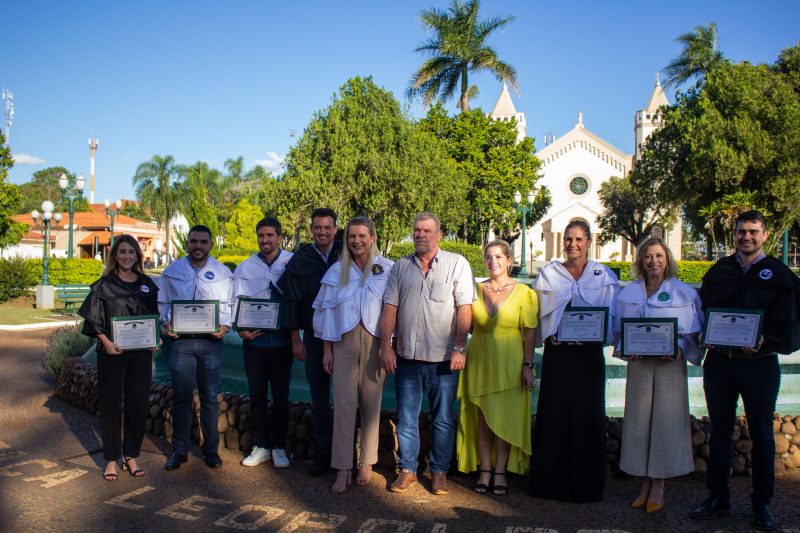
[656, 436]
[357, 379]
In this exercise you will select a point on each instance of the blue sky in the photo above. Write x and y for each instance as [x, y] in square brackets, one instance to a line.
[214, 80]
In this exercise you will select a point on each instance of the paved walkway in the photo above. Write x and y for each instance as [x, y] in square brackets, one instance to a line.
[49, 482]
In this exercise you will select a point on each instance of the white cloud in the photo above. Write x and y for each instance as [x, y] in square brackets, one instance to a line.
[126, 159]
[22, 159]
[273, 163]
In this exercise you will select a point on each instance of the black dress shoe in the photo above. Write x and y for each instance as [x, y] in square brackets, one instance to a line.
[711, 508]
[321, 465]
[213, 460]
[174, 462]
[763, 519]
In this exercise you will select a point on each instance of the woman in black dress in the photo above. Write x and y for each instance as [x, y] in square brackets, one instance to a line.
[122, 290]
[568, 451]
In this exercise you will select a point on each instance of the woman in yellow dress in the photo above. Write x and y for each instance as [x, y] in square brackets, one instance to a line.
[495, 386]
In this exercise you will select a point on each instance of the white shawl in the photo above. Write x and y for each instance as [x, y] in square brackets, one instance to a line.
[180, 281]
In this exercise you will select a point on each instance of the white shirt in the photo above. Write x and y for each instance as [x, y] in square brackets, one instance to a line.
[253, 276]
[673, 299]
[556, 289]
[180, 281]
[338, 309]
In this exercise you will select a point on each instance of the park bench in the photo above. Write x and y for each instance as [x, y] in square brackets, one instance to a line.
[71, 295]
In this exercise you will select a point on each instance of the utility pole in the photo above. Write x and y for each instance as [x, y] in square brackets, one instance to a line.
[93, 145]
[8, 97]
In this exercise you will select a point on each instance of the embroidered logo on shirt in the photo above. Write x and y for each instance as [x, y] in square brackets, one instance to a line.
[765, 274]
[663, 297]
[145, 288]
[598, 272]
[209, 275]
[377, 270]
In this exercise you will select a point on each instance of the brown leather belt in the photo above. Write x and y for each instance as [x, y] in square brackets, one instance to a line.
[739, 354]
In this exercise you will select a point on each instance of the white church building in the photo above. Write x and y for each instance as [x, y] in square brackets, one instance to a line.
[573, 168]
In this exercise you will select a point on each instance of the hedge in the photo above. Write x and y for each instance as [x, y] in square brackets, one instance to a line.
[232, 261]
[688, 271]
[68, 271]
[472, 252]
[224, 253]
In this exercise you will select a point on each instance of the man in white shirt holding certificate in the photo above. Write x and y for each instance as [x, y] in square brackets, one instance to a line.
[267, 352]
[197, 355]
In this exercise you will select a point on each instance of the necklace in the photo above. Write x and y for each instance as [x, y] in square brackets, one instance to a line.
[498, 290]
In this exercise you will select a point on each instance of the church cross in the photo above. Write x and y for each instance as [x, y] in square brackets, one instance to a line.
[657, 74]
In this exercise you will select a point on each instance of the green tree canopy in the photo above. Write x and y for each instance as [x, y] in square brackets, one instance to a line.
[242, 227]
[364, 156]
[457, 46]
[487, 154]
[44, 186]
[741, 130]
[156, 187]
[699, 56]
[11, 231]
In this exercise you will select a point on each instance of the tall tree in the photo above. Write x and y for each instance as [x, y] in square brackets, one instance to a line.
[457, 46]
[242, 227]
[155, 183]
[44, 186]
[364, 155]
[487, 154]
[699, 56]
[11, 231]
[235, 168]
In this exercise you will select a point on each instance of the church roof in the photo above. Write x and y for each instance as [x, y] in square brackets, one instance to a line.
[504, 105]
[657, 99]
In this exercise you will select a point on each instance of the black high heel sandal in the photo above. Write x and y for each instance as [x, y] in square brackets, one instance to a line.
[109, 476]
[481, 488]
[137, 473]
[495, 487]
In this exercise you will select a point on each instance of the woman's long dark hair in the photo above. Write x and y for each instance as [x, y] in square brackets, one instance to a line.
[111, 265]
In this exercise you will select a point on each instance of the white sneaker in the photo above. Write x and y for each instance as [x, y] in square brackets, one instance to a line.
[279, 459]
[257, 456]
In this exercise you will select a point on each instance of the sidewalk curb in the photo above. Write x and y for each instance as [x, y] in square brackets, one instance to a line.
[23, 327]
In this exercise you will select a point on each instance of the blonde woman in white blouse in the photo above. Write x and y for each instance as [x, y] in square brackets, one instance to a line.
[347, 314]
[656, 439]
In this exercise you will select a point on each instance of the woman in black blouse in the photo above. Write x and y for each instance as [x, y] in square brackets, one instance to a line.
[122, 290]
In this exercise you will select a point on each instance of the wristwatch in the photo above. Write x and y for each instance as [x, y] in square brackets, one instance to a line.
[528, 364]
[461, 350]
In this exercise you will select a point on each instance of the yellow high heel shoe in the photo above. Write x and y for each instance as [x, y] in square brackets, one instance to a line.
[654, 507]
[638, 502]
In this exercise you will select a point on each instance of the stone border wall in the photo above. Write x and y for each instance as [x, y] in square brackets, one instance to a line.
[78, 386]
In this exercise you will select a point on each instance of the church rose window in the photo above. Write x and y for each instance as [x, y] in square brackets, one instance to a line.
[578, 186]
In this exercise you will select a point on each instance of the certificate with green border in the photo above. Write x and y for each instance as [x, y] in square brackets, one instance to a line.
[136, 332]
[587, 325]
[649, 337]
[195, 316]
[733, 328]
[257, 314]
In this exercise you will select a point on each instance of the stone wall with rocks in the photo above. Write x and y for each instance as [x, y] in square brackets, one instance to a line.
[78, 386]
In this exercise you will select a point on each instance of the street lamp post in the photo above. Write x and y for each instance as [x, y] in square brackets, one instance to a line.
[524, 210]
[70, 198]
[112, 213]
[46, 220]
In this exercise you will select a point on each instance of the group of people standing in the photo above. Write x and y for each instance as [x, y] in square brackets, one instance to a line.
[363, 317]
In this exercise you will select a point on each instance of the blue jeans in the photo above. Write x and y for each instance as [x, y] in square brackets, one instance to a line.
[190, 359]
[319, 382]
[441, 385]
[758, 382]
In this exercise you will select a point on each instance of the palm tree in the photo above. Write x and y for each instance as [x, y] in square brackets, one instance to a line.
[456, 48]
[155, 183]
[235, 167]
[700, 55]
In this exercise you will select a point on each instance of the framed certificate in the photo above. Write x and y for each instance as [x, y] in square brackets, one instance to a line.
[733, 328]
[257, 314]
[583, 324]
[195, 316]
[649, 337]
[136, 332]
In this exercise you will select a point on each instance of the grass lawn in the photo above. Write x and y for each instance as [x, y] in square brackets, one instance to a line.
[22, 311]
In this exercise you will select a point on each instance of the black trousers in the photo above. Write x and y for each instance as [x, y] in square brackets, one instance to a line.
[265, 366]
[757, 381]
[123, 377]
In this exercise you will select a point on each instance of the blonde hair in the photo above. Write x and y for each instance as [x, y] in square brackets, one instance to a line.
[507, 251]
[111, 265]
[638, 270]
[347, 258]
